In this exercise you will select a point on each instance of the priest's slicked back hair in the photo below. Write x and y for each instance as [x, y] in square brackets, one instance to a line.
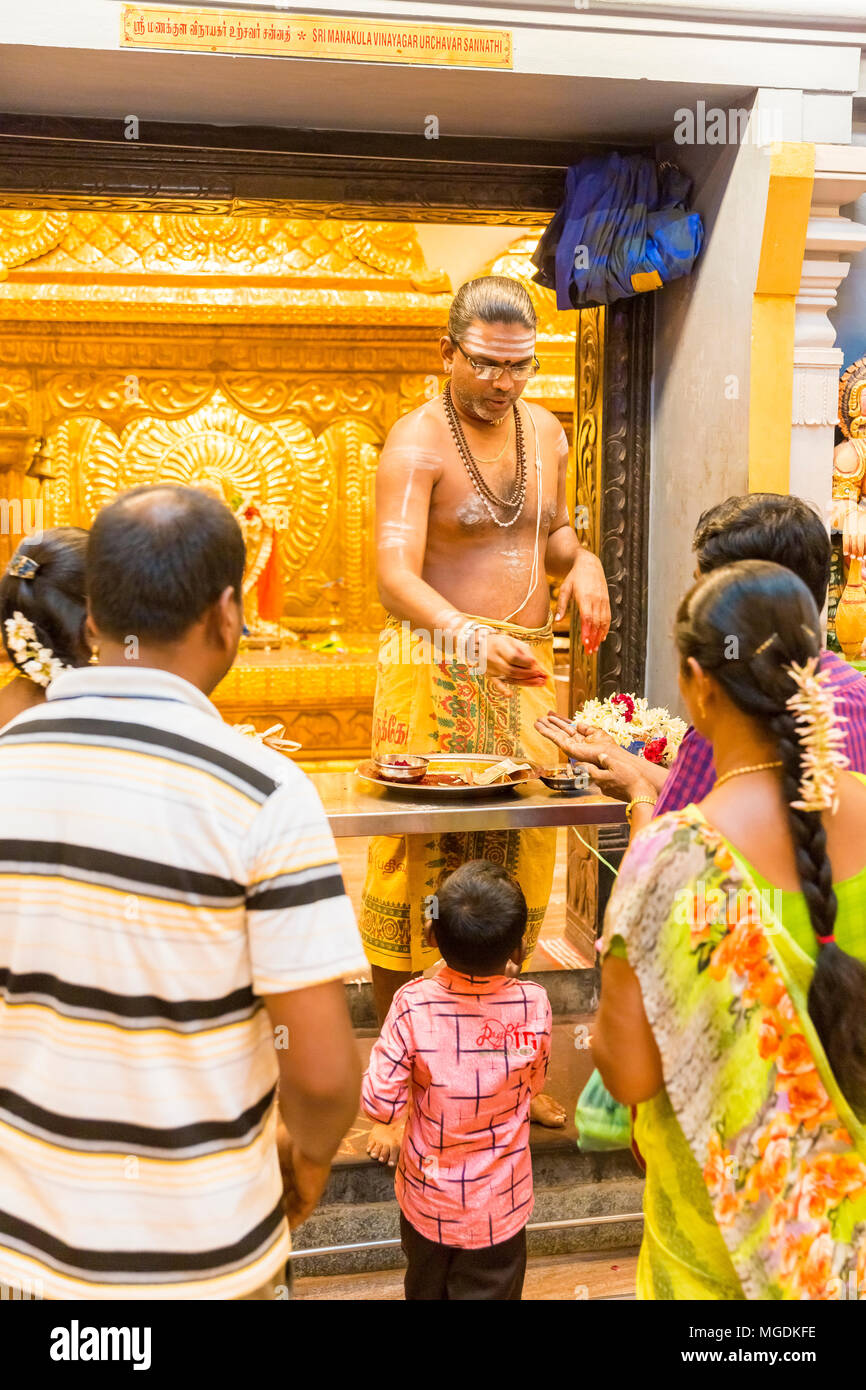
[157, 558]
[490, 299]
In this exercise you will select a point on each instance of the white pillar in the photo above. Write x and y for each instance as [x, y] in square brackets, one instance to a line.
[840, 178]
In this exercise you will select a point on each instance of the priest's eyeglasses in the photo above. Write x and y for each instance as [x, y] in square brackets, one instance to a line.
[490, 371]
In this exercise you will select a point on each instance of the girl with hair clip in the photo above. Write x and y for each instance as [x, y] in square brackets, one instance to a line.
[43, 608]
[733, 1012]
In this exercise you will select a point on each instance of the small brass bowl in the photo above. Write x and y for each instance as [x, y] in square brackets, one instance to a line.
[401, 767]
[564, 779]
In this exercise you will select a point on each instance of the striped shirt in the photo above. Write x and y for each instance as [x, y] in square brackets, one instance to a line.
[159, 874]
[473, 1051]
[693, 773]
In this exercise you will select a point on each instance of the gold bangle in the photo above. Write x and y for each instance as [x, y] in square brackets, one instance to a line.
[638, 801]
[845, 489]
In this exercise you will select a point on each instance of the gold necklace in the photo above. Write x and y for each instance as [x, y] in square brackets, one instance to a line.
[498, 456]
[739, 771]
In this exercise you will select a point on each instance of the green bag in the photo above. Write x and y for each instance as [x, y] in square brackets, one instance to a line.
[601, 1122]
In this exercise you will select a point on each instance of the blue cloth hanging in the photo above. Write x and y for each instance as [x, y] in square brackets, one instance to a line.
[623, 229]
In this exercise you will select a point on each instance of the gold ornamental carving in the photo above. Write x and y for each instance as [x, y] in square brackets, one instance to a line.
[358, 446]
[24, 236]
[120, 395]
[279, 462]
[16, 398]
[392, 249]
[319, 476]
[313, 399]
[588, 398]
[137, 244]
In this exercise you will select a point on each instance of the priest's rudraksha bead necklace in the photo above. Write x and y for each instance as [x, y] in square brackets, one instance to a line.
[517, 493]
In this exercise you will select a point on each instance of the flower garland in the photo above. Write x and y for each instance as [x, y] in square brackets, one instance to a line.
[821, 735]
[31, 658]
[630, 719]
[272, 737]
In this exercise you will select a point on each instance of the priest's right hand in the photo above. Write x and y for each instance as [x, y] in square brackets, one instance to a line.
[508, 660]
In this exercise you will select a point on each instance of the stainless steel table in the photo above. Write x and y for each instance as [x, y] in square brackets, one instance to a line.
[356, 808]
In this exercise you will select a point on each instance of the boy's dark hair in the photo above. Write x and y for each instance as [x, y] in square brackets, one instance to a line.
[157, 558]
[53, 597]
[480, 917]
[767, 526]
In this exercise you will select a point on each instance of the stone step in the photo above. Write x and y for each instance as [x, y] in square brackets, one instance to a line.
[347, 1224]
[569, 991]
[556, 1162]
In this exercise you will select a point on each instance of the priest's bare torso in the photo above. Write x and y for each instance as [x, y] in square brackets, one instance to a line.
[429, 509]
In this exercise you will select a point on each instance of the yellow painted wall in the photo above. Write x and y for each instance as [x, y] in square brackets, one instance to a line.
[789, 197]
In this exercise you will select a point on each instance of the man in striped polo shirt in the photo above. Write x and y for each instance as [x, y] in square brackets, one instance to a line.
[174, 931]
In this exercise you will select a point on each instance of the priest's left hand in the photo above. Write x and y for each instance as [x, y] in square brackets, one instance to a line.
[586, 584]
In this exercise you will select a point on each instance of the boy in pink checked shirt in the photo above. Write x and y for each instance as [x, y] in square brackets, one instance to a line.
[467, 1049]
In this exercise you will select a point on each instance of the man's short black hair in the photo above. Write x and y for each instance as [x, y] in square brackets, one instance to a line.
[767, 526]
[480, 917]
[157, 558]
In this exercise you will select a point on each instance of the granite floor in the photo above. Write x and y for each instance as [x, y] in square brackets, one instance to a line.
[600, 1275]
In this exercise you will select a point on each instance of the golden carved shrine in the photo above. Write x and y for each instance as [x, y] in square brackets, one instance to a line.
[263, 356]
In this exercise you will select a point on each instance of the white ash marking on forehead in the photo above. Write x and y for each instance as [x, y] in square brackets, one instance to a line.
[496, 340]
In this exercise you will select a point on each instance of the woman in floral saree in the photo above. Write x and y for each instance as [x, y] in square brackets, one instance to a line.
[733, 1009]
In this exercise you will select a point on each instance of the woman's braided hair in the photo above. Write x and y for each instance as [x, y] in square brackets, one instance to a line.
[746, 623]
[53, 599]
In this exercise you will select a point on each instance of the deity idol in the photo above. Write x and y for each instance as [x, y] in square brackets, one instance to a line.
[849, 461]
[848, 613]
[260, 523]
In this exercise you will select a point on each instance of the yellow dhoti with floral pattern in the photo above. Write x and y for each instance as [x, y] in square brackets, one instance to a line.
[425, 705]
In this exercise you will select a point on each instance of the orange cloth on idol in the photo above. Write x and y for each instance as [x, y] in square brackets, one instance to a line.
[269, 588]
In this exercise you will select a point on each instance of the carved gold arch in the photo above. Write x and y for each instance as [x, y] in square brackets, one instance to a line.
[316, 481]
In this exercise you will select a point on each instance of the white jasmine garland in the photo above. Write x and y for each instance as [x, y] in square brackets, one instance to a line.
[31, 658]
[647, 722]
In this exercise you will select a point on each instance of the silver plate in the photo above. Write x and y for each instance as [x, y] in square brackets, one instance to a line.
[448, 762]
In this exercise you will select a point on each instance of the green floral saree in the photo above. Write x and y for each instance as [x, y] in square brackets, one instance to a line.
[756, 1165]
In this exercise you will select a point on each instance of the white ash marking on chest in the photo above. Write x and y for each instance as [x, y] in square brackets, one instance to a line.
[472, 512]
[516, 563]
